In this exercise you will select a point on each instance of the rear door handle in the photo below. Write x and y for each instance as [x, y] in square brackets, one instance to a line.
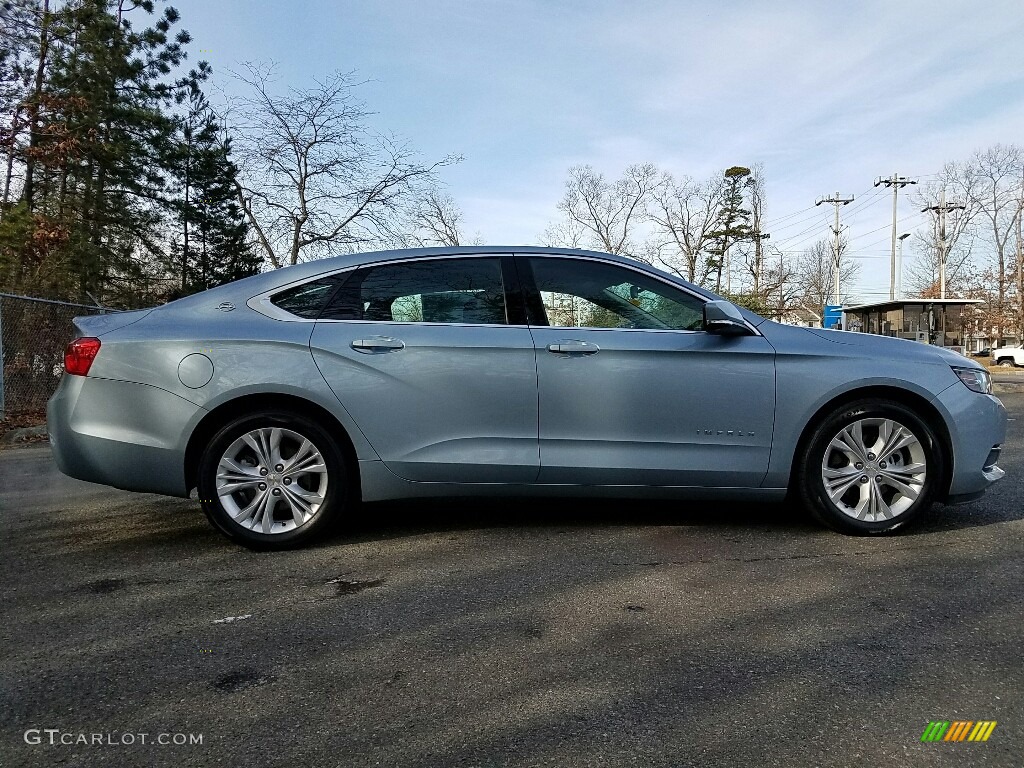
[573, 347]
[377, 344]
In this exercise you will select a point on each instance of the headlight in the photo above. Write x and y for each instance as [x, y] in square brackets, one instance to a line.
[976, 379]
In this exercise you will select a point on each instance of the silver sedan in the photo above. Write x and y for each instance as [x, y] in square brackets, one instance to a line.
[284, 399]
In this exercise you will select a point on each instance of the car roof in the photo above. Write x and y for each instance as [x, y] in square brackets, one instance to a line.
[241, 291]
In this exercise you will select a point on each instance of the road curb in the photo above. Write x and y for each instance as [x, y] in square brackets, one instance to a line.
[23, 436]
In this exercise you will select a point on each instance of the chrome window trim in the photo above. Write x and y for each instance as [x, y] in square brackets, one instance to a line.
[261, 302]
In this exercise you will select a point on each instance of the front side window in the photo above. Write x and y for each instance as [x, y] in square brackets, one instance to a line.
[591, 294]
[429, 291]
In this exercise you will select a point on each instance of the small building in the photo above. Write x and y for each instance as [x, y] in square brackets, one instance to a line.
[932, 321]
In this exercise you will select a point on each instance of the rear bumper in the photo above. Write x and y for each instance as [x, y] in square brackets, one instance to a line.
[117, 433]
[977, 425]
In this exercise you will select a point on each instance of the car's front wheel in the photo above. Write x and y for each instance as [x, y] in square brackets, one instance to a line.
[870, 467]
[273, 480]
[1006, 362]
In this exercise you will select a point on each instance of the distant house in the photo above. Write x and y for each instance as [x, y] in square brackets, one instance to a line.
[800, 316]
[932, 321]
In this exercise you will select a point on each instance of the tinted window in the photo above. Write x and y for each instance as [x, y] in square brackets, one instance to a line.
[308, 299]
[590, 294]
[429, 291]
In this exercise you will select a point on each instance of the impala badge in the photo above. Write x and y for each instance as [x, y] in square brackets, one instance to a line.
[726, 432]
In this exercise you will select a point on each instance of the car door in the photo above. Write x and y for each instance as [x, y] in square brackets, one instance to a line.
[632, 391]
[424, 357]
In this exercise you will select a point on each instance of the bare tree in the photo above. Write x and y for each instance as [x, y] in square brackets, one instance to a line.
[816, 275]
[564, 233]
[991, 184]
[436, 221]
[754, 255]
[781, 284]
[683, 214]
[923, 270]
[313, 177]
[606, 213]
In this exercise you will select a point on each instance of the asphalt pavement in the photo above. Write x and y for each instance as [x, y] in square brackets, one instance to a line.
[464, 633]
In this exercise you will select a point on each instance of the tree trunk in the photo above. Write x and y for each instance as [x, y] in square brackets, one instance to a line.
[184, 250]
[33, 106]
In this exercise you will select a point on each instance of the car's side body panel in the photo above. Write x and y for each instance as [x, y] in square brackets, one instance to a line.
[119, 433]
[655, 408]
[455, 402]
[381, 484]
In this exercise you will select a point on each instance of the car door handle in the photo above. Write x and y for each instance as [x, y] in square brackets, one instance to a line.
[377, 344]
[573, 347]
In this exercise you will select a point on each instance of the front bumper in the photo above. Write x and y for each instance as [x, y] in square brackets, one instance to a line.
[129, 436]
[977, 425]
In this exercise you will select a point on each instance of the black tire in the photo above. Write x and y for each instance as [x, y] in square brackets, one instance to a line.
[1006, 363]
[809, 468]
[337, 499]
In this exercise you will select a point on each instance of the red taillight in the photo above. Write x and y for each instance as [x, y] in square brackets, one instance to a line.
[79, 355]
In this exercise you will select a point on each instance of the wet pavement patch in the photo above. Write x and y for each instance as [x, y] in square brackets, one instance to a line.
[351, 586]
[240, 680]
[635, 608]
[105, 586]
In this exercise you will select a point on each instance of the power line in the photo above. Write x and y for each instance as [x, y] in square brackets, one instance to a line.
[774, 222]
[815, 227]
[886, 226]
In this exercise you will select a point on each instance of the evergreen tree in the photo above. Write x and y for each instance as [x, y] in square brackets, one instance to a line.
[211, 247]
[733, 224]
[110, 96]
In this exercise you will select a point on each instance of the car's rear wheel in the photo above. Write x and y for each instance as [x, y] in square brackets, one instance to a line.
[870, 467]
[273, 480]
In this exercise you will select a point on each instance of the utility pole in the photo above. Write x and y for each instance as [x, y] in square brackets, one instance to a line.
[758, 258]
[899, 264]
[1020, 257]
[895, 181]
[942, 209]
[837, 200]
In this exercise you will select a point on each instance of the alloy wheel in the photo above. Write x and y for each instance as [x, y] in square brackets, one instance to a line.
[874, 469]
[272, 480]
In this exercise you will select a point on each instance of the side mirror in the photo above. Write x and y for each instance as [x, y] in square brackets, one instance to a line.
[723, 319]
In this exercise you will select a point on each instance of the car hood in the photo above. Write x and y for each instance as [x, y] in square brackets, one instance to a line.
[892, 347]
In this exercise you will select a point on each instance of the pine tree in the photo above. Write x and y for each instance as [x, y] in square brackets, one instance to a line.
[211, 247]
[733, 223]
[110, 95]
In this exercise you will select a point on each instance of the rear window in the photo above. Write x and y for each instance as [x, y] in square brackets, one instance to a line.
[467, 290]
[307, 300]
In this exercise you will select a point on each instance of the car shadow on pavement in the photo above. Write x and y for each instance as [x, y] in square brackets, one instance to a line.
[408, 518]
[387, 520]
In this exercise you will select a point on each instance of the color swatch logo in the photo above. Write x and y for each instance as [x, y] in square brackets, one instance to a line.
[958, 730]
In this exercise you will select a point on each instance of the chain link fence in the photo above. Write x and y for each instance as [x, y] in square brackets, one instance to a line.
[33, 334]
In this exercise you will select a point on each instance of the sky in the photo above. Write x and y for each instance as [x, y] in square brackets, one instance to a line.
[825, 96]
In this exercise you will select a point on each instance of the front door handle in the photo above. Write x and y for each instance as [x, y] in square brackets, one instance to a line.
[573, 347]
[377, 344]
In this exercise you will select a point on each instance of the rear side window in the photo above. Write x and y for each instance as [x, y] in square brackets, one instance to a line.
[307, 300]
[429, 291]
